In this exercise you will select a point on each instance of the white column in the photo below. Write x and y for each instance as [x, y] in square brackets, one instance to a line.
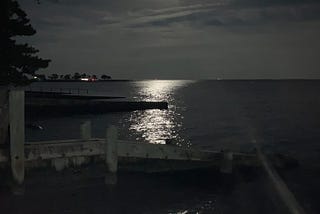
[17, 136]
[86, 130]
[111, 155]
[226, 164]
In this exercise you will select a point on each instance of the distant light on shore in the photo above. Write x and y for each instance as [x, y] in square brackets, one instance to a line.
[88, 79]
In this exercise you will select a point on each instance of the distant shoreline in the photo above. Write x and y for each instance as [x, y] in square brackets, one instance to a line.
[116, 80]
[131, 80]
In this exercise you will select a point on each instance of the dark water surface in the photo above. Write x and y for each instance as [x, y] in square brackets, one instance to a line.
[283, 116]
[212, 114]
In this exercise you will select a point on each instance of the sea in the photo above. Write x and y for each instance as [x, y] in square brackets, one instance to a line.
[283, 116]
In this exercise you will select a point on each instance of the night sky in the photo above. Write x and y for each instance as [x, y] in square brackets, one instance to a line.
[178, 39]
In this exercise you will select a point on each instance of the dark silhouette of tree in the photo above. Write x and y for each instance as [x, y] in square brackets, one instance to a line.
[16, 60]
[76, 76]
[94, 76]
[105, 77]
[54, 76]
[84, 75]
[67, 77]
[61, 76]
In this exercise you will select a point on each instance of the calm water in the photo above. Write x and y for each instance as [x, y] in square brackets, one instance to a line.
[210, 114]
[284, 116]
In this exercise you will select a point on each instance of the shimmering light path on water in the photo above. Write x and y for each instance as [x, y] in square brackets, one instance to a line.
[158, 126]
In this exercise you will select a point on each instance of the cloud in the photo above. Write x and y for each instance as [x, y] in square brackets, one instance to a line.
[139, 13]
[179, 38]
[226, 16]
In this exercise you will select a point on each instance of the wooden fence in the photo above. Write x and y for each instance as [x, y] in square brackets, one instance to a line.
[64, 153]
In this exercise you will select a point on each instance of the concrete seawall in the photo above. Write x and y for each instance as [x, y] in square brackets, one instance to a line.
[67, 107]
[58, 103]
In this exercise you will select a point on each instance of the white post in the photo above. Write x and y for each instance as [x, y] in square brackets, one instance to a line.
[111, 155]
[226, 164]
[4, 115]
[17, 138]
[86, 130]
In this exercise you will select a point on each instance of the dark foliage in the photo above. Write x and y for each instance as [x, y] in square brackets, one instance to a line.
[105, 77]
[17, 60]
[76, 76]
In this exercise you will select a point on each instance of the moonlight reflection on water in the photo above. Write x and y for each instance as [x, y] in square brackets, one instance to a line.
[158, 126]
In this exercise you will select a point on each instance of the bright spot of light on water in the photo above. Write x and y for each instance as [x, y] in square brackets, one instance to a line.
[154, 125]
[198, 206]
[159, 90]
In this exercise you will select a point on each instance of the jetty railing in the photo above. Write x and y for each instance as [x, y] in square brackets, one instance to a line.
[64, 153]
